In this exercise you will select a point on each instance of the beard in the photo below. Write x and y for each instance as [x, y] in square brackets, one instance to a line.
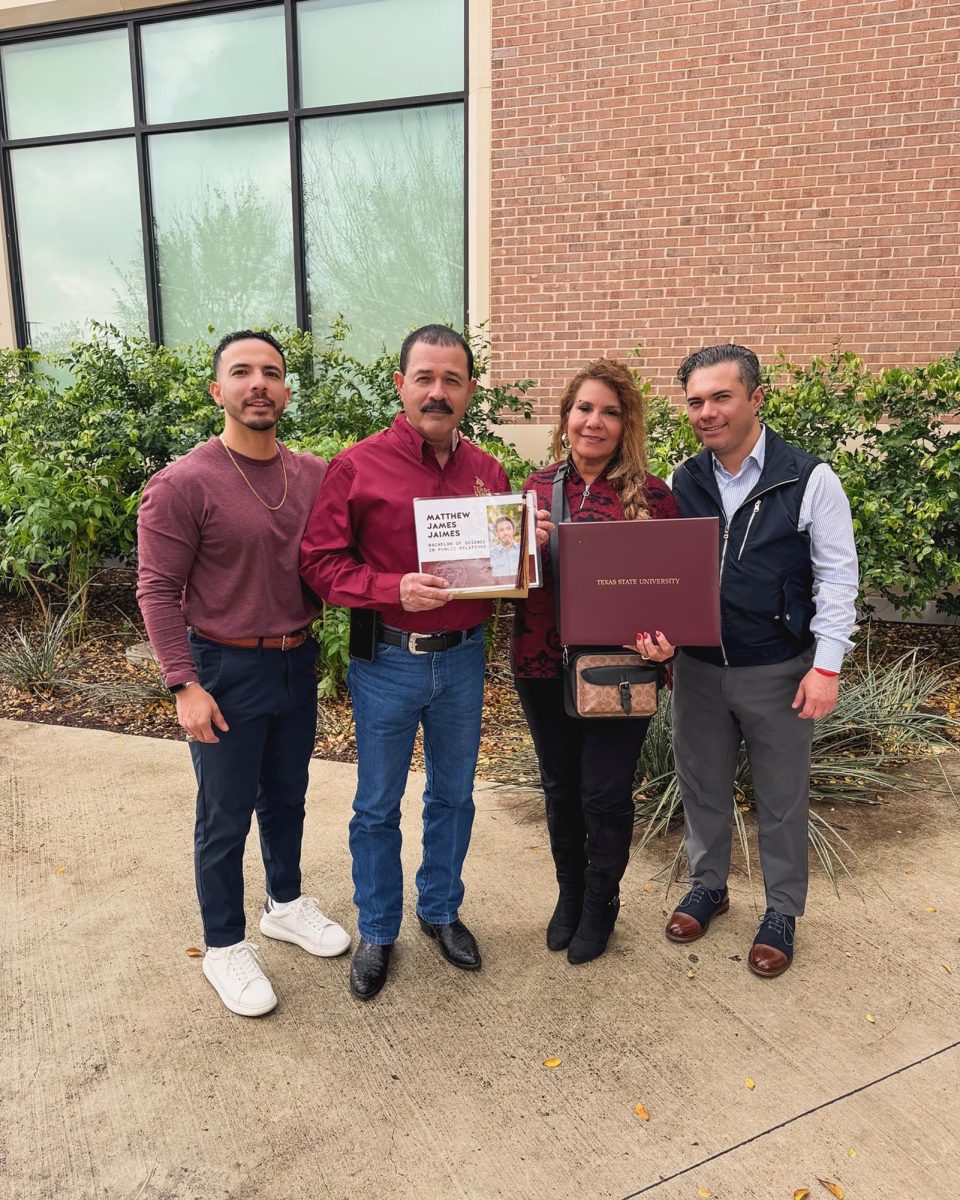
[259, 421]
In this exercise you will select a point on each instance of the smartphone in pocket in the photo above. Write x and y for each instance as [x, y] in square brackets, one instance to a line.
[363, 634]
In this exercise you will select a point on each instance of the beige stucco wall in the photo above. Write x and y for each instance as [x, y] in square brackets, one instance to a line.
[14, 13]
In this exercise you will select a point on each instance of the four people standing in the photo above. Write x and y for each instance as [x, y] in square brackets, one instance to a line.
[219, 532]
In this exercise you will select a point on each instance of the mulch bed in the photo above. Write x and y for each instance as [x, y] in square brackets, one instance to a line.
[108, 692]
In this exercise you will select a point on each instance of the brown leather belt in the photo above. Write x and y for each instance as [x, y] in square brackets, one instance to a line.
[289, 641]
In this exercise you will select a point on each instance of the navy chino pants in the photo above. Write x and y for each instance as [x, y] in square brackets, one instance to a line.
[269, 700]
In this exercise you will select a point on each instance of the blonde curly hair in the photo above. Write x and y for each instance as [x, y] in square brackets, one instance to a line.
[629, 468]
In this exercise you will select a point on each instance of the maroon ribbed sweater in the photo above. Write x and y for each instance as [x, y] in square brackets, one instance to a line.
[211, 555]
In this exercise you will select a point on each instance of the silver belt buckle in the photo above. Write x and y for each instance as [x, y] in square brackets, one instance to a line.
[414, 638]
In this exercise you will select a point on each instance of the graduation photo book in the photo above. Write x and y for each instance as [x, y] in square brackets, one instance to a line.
[484, 546]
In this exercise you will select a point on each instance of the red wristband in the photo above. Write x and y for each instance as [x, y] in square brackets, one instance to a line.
[824, 671]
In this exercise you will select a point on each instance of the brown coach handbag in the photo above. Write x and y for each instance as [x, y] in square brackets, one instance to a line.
[600, 681]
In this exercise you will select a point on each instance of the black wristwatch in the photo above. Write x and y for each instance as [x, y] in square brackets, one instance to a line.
[178, 687]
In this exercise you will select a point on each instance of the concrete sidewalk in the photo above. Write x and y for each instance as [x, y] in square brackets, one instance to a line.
[122, 1076]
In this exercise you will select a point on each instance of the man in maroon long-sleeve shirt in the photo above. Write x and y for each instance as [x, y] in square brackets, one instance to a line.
[359, 550]
[219, 533]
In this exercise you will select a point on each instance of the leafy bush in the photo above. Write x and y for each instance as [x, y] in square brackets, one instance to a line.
[885, 437]
[76, 455]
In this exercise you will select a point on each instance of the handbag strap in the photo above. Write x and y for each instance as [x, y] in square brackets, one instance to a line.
[559, 511]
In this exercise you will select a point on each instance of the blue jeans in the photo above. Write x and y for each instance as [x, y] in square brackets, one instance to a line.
[392, 696]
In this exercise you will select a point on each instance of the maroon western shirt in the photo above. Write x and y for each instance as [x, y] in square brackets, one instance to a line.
[213, 556]
[360, 539]
[537, 651]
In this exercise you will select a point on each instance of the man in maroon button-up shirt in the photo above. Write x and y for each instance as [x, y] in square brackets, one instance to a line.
[359, 550]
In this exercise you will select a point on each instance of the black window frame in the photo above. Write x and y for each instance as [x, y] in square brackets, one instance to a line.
[293, 116]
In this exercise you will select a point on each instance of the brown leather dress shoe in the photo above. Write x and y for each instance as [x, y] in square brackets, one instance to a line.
[767, 961]
[772, 949]
[692, 916]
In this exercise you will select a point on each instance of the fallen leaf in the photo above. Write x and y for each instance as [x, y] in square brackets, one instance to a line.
[641, 1112]
[801, 1194]
[705, 1193]
[833, 1188]
[947, 968]
[870, 1017]
[749, 1083]
[60, 870]
[552, 1062]
[930, 908]
[852, 1152]
[691, 974]
[648, 887]
[194, 952]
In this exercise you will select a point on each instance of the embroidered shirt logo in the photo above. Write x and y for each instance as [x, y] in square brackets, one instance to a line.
[480, 488]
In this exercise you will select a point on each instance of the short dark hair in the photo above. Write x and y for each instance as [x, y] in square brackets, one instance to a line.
[712, 356]
[509, 521]
[241, 335]
[435, 335]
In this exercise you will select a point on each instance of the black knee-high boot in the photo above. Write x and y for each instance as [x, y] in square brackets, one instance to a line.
[596, 924]
[570, 860]
[608, 851]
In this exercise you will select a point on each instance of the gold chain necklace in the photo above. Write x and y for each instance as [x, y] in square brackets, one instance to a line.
[283, 467]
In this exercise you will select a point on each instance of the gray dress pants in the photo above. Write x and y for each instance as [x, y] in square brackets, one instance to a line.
[714, 710]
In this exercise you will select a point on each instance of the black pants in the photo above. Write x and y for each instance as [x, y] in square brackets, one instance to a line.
[269, 700]
[587, 770]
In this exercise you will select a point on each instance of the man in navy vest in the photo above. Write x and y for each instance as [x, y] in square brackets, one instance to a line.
[788, 585]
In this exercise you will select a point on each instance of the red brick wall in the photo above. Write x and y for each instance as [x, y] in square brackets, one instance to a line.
[781, 173]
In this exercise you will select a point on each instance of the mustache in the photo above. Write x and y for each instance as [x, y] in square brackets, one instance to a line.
[440, 406]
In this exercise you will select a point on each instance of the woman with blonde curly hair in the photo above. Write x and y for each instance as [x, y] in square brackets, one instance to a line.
[587, 767]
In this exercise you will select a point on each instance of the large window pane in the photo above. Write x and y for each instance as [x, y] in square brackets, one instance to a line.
[219, 66]
[224, 229]
[354, 50]
[383, 206]
[68, 85]
[78, 216]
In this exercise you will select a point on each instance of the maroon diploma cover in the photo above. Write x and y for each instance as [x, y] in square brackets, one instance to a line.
[621, 578]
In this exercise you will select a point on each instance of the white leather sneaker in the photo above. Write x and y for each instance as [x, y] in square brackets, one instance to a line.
[235, 974]
[302, 923]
